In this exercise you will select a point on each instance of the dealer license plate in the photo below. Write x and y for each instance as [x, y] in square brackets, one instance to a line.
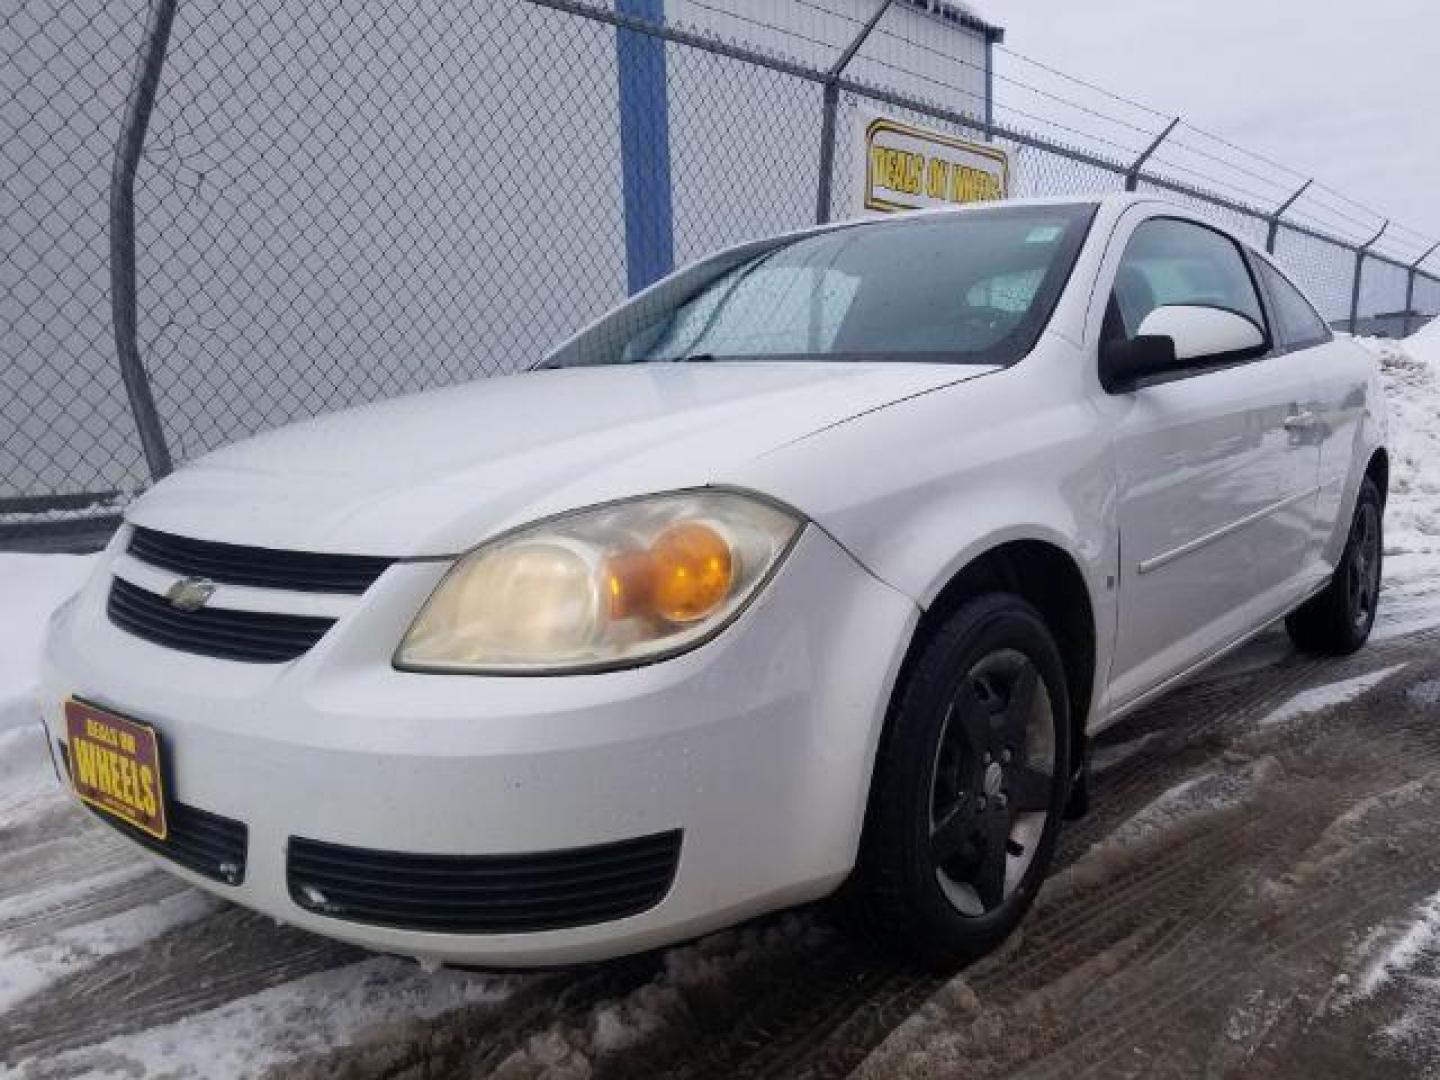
[115, 766]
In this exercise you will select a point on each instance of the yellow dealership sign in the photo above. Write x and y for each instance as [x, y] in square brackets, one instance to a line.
[910, 168]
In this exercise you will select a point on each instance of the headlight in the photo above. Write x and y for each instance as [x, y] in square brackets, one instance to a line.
[601, 588]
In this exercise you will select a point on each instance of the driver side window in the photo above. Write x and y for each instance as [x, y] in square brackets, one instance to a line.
[1169, 261]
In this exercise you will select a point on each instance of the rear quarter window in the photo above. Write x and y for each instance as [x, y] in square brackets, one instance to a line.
[1297, 324]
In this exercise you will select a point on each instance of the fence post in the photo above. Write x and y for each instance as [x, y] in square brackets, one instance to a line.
[1360, 253]
[1274, 220]
[989, 86]
[645, 187]
[1411, 271]
[1132, 174]
[831, 106]
[128, 147]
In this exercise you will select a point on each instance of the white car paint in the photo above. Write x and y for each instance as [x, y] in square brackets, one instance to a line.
[1194, 514]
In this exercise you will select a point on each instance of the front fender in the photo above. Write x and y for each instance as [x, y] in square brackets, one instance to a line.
[919, 490]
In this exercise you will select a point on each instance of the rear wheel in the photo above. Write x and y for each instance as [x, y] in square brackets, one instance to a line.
[1339, 620]
[969, 789]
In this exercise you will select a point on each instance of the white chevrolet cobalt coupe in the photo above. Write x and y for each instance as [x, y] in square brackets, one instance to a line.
[809, 570]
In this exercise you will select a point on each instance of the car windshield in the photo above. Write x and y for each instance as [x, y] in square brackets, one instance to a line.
[969, 287]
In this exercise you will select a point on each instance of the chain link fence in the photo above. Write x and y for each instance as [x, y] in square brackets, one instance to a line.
[334, 204]
[67, 437]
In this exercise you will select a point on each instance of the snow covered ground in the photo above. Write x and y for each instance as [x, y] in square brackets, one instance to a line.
[1411, 371]
[31, 586]
[75, 902]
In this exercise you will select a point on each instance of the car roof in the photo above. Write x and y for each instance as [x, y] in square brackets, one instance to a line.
[1116, 201]
[1109, 206]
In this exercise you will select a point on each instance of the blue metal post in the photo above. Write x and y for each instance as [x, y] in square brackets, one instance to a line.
[989, 87]
[644, 147]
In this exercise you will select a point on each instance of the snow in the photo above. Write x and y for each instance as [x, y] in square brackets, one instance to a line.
[1426, 694]
[1360, 825]
[1410, 596]
[33, 587]
[1419, 936]
[1189, 803]
[68, 885]
[1106, 756]
[1410, 370]
[27, 779]
[1208, 793]
[694, 977]
[27, 969]
[1319, 698]
[308, 1016]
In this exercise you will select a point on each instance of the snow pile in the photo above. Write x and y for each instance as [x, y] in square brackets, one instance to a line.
[696, 981]
[33, 586]
[1410, 370]
[1370, 821]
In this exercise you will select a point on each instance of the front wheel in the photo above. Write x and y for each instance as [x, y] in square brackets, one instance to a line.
[969, 789]
[1338, 621]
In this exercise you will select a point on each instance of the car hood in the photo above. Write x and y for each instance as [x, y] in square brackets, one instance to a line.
[437, 472]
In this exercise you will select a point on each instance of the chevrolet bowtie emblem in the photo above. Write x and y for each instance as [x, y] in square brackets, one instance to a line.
[190, 594]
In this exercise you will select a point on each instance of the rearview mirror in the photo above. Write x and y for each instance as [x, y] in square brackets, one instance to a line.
[1176, 337]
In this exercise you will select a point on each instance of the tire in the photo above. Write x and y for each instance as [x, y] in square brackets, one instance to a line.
[969, 789]
[1338, 621]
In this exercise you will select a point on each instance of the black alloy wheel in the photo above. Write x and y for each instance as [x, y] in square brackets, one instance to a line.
[993, 778]
[969, 788]
[1339, 620]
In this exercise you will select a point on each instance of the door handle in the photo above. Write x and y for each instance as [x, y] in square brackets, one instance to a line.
[1301, 421]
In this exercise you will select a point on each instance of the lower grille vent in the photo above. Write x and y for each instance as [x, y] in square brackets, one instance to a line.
[198, 840]
[482, 893]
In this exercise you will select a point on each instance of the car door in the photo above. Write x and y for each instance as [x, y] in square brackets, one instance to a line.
[1215, 472]
[1339, 383]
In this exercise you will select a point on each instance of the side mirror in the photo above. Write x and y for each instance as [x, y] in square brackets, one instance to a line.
[1179, 336]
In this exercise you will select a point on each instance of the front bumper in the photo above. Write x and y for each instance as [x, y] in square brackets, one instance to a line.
[756, 748]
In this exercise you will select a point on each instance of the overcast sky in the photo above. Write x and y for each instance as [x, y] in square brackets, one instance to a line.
[1347, 92]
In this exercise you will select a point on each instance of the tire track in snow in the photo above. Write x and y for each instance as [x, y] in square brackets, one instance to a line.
[1233, 938]
[799, 1043]
[828, 1000]
[189, 970]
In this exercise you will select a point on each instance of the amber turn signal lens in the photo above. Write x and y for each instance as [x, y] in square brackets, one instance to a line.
[692, 572]
[684, 575]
